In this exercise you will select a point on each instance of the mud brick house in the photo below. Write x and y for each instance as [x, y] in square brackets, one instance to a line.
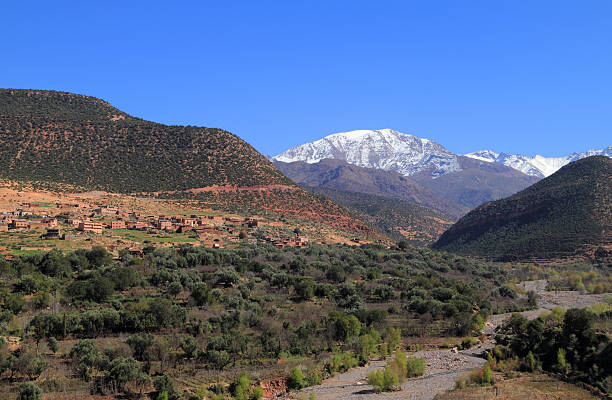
[90, 226]
[163, 224]
[104, 210]
[138, 225]
[19, 224]
[52, 233]
[119, 224]
[188, 221]
[74, 222]
[135, 252]
[184, 228]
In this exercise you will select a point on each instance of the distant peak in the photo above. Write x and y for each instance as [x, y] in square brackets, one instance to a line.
[385, 149]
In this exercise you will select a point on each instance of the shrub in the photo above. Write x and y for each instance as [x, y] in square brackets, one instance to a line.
[375, 378]
[296, 379]
[29, 391]
[401, 365]
[390, 380]
[384, 380]
[52, 344]
[487, 375]
[415, 366]
[482, 376]
[241, 389]
[163, 384]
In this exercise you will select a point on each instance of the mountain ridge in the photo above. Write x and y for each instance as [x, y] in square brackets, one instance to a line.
[537, 165]
[340, 175]
[566, 214]
[384, 149]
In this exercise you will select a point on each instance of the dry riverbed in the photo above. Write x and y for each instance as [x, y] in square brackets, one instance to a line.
[443, 366]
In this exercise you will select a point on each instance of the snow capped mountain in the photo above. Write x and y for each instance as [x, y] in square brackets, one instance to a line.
[535, 166]
[384, 149]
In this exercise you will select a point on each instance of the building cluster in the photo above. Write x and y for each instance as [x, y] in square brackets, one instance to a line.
[294, 241]
[77, 218]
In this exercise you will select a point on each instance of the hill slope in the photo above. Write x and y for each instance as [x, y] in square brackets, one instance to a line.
[476, 182]
[399, 219]
[566, 214]
[52, 137]
[339, 175]
[84, 141]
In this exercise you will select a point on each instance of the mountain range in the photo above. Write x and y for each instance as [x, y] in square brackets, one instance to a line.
[384, 149]
[407, 187]
[408, 155]
[340, 175]
[538, 166]
[392, 164]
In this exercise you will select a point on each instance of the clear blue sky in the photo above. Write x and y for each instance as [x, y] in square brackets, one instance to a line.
[516, 76]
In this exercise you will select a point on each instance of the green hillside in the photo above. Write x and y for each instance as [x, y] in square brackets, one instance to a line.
[566, 214]
[66, 138]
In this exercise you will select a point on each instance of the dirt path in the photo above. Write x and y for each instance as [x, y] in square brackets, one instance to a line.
[547, 300]
[443, 366]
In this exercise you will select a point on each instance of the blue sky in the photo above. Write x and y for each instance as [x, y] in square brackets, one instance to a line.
[517, 76]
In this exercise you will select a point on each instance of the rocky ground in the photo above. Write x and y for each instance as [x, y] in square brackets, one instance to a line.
[443, 366]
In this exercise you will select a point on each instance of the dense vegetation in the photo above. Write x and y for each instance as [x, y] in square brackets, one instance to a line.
[563, 215]
[62, 137]
[128, 324]
[563, 342]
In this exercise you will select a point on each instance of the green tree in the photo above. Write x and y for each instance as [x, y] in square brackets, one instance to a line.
[86, 358]
[29, 391]
[121, 371]
[201, 294]
[189, 346]
[164, 384]
[140, 343]
[175, 288]
[296, 379]
[52, 344]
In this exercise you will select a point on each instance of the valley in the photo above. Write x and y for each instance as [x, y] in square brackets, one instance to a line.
[147, 261]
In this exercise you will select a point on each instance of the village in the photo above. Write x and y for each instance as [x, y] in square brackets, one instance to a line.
[85, 224]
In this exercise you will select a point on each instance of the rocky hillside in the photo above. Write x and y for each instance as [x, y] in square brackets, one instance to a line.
[62, 138]
[399, 219]
[476, 182]
[86, 142]
[339, 175]
[567, 214]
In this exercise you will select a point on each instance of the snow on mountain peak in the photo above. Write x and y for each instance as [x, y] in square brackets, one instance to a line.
[382, 149]
[537, 165]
